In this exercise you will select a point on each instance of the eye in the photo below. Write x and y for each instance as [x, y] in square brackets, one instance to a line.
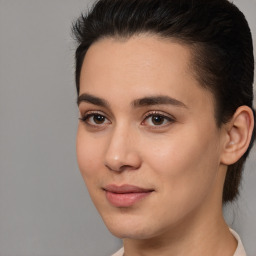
[157, 119]
[95, 119]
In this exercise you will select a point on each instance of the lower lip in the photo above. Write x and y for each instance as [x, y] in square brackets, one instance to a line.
[125, 200]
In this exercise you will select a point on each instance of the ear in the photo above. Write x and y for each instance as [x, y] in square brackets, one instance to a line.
[237, 135]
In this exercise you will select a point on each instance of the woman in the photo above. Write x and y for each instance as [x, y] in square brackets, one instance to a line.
[166, 121]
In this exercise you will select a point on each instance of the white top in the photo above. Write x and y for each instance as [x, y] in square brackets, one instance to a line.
[239, 250]
[119, 253]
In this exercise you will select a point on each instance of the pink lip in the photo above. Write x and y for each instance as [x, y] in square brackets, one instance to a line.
[125, 195]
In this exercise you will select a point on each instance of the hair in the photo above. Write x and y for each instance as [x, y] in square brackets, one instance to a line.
[215, 30]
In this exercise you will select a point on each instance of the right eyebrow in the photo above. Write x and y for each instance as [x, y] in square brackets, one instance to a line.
[85, 97]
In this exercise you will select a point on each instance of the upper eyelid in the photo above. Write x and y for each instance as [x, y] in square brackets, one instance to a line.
[160, 113]
[88, 112]
[85, 106]
[94, 112]
[84, 118]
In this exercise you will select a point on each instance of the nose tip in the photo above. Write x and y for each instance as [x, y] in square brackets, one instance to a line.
[113, 163]
[117, 164]
[122, 154]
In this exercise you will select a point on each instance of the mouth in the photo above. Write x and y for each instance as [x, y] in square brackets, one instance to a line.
[125, 195]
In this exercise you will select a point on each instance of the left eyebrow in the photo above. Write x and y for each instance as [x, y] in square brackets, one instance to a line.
[158, 100]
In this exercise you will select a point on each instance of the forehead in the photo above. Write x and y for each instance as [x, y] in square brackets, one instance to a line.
[138, 66]
[135, 58]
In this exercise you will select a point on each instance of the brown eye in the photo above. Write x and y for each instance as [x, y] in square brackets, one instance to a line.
[98, 119]
[95, 119]
[157, 120]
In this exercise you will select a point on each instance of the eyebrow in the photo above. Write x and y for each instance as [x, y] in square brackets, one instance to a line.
[85, 97]
[158, 100]
[146, 101]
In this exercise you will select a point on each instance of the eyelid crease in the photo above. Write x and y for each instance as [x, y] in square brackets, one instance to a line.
[169, 118]
[88, 114]
[86, 106]
[160, 113]
[93, 112]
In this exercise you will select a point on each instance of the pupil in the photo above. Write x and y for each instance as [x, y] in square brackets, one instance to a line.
[157, 120]
[98, 119]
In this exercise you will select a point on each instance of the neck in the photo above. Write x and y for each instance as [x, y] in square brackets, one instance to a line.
[202, 233]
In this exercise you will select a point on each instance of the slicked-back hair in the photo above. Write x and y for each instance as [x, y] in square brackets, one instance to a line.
[215, 30]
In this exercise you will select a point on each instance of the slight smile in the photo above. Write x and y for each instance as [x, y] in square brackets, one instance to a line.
[125, 195]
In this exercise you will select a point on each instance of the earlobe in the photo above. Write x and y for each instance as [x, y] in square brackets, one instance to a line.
[238, 135]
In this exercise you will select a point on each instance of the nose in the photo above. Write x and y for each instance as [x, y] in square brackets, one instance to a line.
[122, 153]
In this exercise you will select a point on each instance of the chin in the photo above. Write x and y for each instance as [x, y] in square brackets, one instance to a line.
[131, 233]
[133, 227]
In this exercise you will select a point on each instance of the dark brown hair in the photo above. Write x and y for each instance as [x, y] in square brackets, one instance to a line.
[218, 34]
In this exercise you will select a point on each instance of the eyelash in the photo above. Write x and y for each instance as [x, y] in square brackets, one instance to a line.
[166, 118]
[90, 114]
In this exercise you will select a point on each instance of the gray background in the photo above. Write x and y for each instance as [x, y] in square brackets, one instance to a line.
[44, 206]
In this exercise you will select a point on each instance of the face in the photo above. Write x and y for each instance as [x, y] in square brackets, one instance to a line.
[147, 144]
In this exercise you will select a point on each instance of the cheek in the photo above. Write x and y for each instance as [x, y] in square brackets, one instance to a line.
[186, 164]
[88, 155]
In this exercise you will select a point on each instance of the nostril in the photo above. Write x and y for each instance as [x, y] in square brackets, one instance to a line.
[114, 164]
[109, 168]
[121, 168]
[121, 156]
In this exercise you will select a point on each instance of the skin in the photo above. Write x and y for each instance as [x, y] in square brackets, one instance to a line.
[182, 158]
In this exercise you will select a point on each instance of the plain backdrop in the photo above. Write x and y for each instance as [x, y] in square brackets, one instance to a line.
[44, 206]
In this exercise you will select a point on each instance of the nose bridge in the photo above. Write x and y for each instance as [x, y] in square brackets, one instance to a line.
[121, 151]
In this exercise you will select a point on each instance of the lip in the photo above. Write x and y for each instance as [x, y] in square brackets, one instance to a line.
[125, 195]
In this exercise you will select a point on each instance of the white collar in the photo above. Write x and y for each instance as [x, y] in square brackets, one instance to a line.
[240, 251]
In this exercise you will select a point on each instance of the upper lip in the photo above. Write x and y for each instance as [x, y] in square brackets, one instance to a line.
[126, 188]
